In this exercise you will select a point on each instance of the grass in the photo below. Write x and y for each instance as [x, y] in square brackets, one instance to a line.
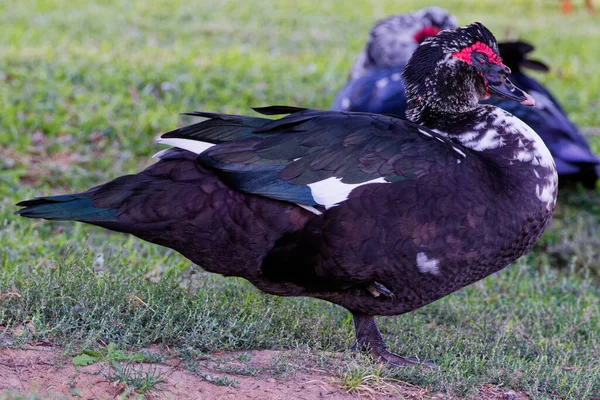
[126, 369]
[85, 87]
[134, 378]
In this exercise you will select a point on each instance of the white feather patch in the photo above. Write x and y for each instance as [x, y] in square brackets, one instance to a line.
[540, 155]
[545, 193]
[491, 139]
[331, 191]
[310, 208]
[160, 154]
[382, 83]
[427, 265]
[195, 146]
[425, 133]
[459, 151]
[345, 103]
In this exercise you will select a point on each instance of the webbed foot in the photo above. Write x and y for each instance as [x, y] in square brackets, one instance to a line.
[398, 361]
[369, 339]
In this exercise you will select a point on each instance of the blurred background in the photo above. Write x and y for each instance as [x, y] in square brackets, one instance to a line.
[85, 87]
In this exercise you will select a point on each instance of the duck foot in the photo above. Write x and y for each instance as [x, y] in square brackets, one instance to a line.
[368, 338]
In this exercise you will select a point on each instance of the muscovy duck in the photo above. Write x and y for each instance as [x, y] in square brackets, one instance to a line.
[377, 214]
[375, 83]
[575, 161]
[375, 86]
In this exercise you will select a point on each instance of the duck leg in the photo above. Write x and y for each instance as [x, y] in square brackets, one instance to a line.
[369, 339]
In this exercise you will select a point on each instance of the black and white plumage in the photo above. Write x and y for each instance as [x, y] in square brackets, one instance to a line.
[575, 161]
[375, 82]
[375, 86]
[374, 213]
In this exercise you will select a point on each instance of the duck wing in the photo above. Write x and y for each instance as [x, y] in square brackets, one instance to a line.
[317, 158]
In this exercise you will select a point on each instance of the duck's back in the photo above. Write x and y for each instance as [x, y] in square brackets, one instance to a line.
[379, 90]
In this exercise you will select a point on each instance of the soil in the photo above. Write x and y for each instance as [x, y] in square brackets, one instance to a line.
[48, 373]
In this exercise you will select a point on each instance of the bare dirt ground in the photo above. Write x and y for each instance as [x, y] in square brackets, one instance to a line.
[46, 372]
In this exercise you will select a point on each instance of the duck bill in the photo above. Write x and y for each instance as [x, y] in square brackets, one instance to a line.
[507, 90]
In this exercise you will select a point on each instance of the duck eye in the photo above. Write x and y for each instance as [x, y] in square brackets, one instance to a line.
[480, 58]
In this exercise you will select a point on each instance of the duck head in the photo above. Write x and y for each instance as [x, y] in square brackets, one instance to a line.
[393, 40]
[432, 21]
[452, 71]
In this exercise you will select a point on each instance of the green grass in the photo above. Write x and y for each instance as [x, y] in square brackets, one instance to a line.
[133, 377]
[85, 87]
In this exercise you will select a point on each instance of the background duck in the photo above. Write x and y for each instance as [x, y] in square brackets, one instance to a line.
[375, 86]
[374, 83]
[374, 213]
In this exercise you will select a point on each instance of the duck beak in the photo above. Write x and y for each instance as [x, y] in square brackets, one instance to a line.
[497, 83]
[508, 90]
